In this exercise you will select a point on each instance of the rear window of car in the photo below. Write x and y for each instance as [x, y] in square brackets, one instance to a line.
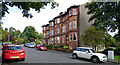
[14, 48]
[40, 45]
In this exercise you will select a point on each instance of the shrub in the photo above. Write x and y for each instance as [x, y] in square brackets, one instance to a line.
[106, 50]
[117, 51]
[65, 47]
[60, 46]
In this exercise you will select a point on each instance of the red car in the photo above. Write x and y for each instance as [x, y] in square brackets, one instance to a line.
[13, 52]
[41, 47]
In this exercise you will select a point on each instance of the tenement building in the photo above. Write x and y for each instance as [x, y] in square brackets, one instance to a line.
[65, 29]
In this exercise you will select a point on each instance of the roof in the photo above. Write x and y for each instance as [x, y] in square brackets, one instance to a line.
[85, 47]
[51, 21]
[73, 6]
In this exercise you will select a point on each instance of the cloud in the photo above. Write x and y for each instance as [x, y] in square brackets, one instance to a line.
[15, 19]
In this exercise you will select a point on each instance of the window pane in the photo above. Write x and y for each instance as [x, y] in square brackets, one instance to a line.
[70, 12]
[74, 37]
[58, 30]
[63, 39]
[74, 24]
[70, 37]
[74, 11]
[70, 25]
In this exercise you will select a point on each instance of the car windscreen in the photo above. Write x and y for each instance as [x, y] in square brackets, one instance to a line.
[93, 50]
[14, 48]
[40, 45]
[31, 44]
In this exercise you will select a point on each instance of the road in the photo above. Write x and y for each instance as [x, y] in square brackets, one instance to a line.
[37, 56]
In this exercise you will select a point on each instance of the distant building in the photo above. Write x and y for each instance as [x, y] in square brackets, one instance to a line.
[66, 28]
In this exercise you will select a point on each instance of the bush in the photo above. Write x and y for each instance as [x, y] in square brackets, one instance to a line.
[60, 46]
[117, 51]
[106, 50]
[65, 47]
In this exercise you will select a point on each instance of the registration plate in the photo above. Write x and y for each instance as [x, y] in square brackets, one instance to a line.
[15, 57]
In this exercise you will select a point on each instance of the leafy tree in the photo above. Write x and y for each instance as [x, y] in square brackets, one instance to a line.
[93, 37]
[40, 37]
[30, 33]
[106, 15]
[25, 7]
[20, 40]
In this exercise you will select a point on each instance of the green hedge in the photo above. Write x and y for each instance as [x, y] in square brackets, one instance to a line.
[106, 50]
[117, 51]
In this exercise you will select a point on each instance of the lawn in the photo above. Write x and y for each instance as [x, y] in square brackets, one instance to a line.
[116, 57]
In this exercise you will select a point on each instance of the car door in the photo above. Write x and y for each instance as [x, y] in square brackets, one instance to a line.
[78, 51]
[86, 53]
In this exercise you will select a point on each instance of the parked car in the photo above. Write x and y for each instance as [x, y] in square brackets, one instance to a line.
[41, 47]
[89, 53]
[31, 45]
[26, 44]
[13, 52]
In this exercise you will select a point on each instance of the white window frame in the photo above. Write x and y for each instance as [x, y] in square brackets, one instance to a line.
[58, 20]
[58, 39]
[74, 11]
[44, 34]
[74, 24]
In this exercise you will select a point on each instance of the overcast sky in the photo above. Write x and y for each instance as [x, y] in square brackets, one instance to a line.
[15, 19]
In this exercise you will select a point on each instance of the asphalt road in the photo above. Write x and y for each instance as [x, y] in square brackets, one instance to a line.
[37, 56]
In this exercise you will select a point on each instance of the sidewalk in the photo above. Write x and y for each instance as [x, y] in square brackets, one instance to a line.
[113, 61]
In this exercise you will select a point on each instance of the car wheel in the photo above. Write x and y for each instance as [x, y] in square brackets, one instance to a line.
[95, 60]
[74, 56]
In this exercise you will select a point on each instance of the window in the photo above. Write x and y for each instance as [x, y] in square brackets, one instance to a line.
[74, 24]
[52, 32]
[44, 35]
[70, 12]
[74, 36]
[63, 39]
[58, 39]
[70, 37]
[52, 40]
[70, 25]
[58, 20]
[74, 11]
[78, 49]
[65, 29]
[52, 24]
[55, 40]
[44, 28]
[57, 30]
[14, 48]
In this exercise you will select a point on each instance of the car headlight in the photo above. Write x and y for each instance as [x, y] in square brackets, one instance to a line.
[104, 56]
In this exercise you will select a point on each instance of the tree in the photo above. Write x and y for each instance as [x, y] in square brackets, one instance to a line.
[30, 33]
[106, 15]
[20, 40]
[40, 37]
[25, 7]
[93, 37]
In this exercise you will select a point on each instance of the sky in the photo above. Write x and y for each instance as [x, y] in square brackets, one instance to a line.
[15, 18]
